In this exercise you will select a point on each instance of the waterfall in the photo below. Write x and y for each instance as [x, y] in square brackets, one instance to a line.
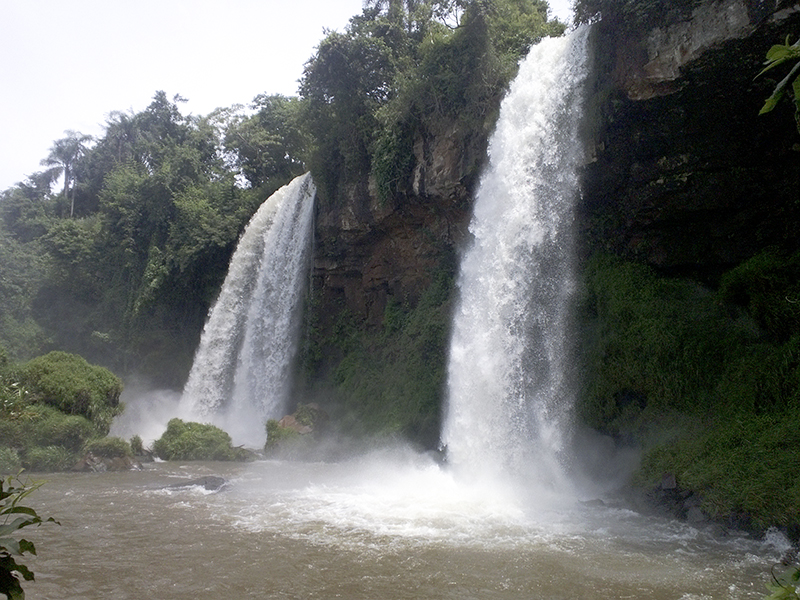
[240, 375]
[509, 394]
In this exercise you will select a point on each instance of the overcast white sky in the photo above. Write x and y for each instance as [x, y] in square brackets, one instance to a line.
[67, 64]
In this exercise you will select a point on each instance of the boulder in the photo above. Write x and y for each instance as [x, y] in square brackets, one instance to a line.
[290, 422]
[212, 483]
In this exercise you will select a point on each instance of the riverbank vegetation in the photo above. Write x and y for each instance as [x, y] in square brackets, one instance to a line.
[53, 409]
[706, 381]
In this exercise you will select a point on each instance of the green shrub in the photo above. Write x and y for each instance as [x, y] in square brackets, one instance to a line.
[68, 431]
[10, 462]
[195, 441]
[41, 425]
[278, 435]
[392, 160]
[109, 447]
[70, 384]
[137, 447]
[48, 459]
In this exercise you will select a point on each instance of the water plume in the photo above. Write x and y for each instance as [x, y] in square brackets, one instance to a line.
[241, 372]
[509, 394]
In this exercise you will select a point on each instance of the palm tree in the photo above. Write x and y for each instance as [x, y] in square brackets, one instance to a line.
[62, 158]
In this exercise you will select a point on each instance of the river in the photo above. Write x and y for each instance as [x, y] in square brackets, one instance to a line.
[388, 525]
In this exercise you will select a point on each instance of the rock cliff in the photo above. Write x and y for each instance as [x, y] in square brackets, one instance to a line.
[368, 250]
[686, 175]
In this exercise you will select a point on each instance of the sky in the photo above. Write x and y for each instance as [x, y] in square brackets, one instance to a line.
[68, 64]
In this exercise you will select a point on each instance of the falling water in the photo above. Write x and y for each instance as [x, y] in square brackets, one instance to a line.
[240, 375]
[509, 397]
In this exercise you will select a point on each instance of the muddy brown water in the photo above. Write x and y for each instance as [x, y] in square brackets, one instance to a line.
[375, 528]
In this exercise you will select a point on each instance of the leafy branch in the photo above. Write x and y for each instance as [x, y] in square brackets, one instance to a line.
[13, 517]
[777, 55]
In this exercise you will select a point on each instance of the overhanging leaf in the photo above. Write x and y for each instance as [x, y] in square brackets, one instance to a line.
[11, 546]
[771, 102]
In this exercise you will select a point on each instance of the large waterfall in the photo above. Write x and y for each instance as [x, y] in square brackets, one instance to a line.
[509, 396]
[241, 371]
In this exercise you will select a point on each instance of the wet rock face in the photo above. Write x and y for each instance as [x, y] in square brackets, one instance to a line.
[654, 68]
[686, 175]
[368, 249]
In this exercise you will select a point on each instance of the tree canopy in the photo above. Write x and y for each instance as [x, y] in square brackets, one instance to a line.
[401, 67]
[121, 262]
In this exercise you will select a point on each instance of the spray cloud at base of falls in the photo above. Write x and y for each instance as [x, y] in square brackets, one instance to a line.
[241, 371]
[509, 395]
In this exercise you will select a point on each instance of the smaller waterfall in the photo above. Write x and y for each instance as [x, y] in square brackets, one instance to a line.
[509, 396]
[241, 371]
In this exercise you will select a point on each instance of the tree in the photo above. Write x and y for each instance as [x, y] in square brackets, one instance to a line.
[62, 158]
[268, 145]
[406, 66]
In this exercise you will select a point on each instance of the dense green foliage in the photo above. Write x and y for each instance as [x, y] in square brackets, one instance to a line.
[73, 386]
[745, 468]
[148, 217]
[50, 408]
[195, 441]
[389, 380]
[14, 516]
[137, 446]
[778, 55]
[404, 70]
[708, 382]
[109, 447]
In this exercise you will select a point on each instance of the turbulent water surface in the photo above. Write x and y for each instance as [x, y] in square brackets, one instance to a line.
[385, 526]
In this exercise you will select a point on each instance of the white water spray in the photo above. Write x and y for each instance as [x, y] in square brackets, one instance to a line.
[240, 376]
[509, 397]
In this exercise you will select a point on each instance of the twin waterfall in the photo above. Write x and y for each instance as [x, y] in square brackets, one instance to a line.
[509, 394]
